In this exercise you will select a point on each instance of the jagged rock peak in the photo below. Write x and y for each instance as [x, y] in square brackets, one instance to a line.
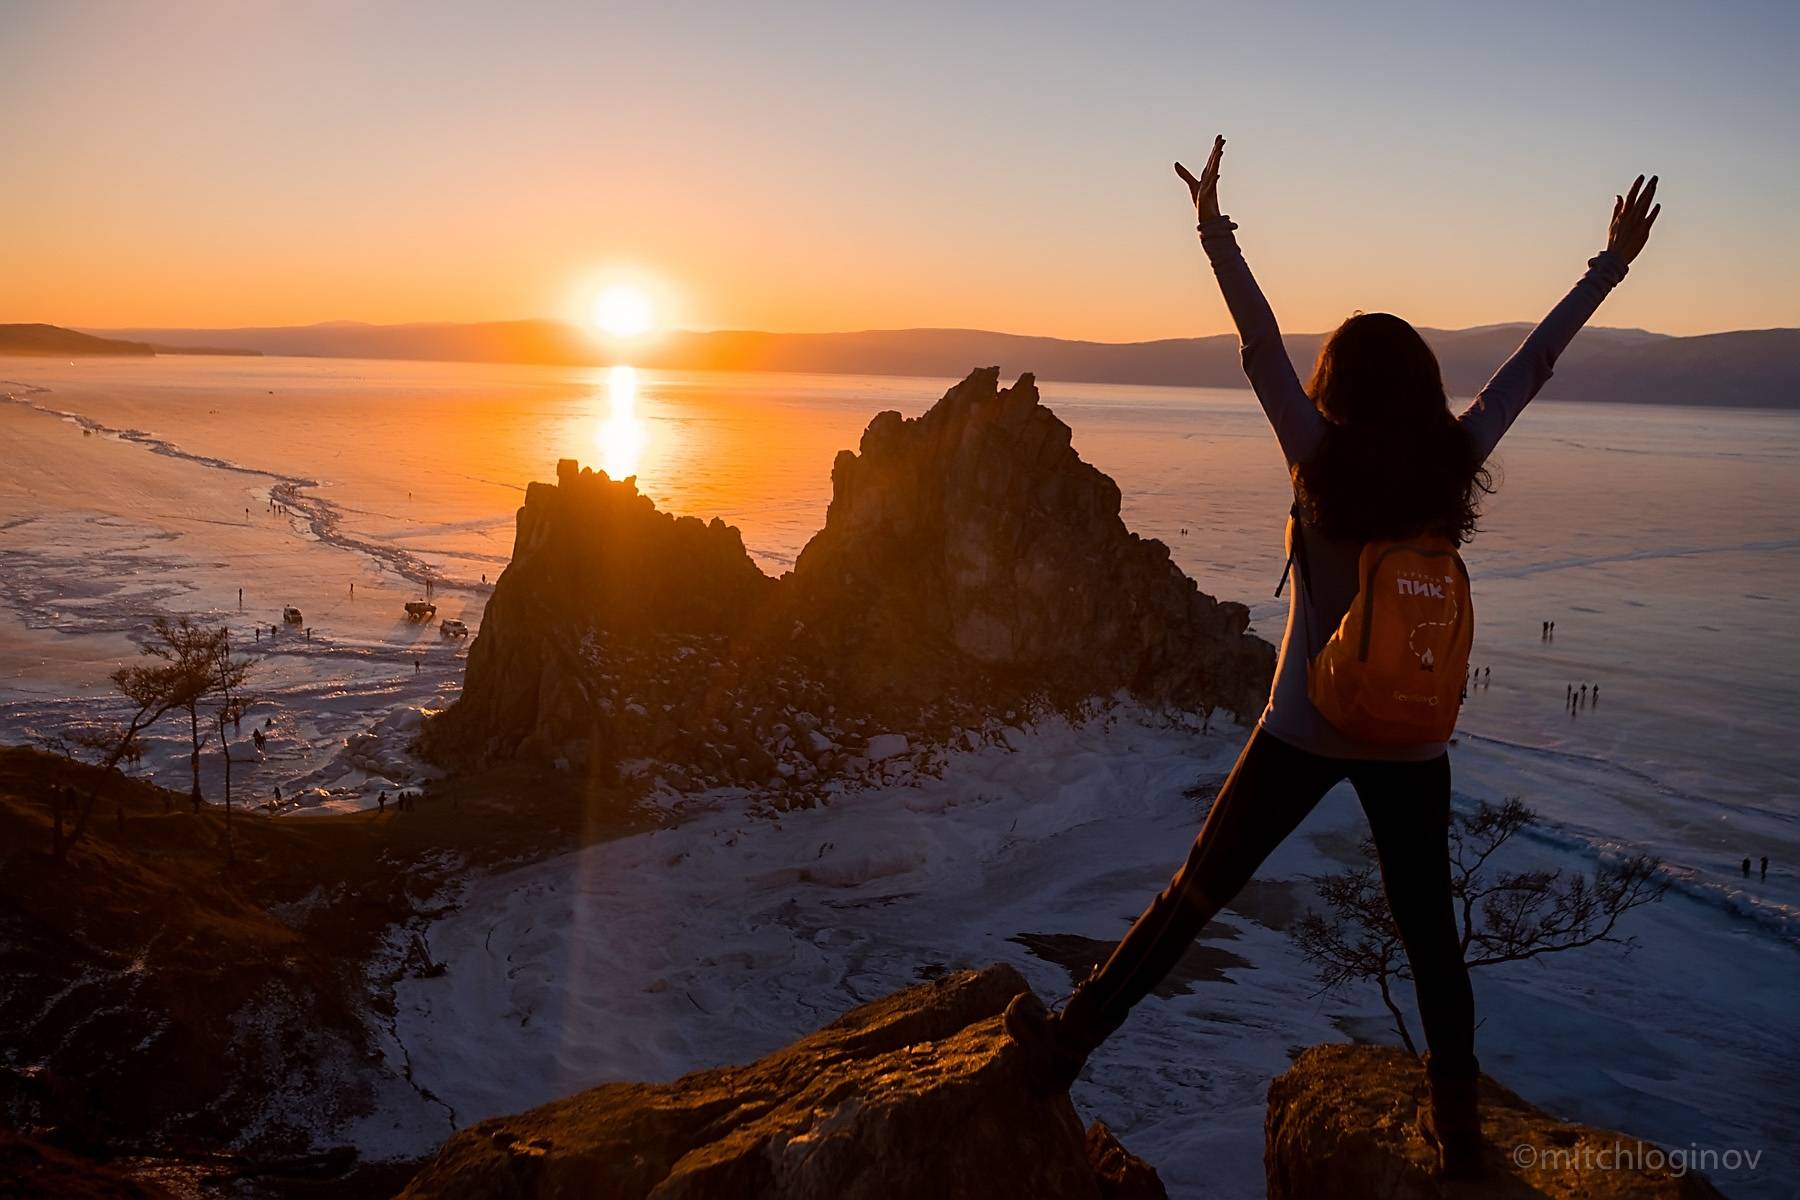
[599, 551]
[605, 594]
[975, 535]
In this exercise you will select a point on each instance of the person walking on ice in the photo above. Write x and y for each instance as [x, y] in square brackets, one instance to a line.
[1383, 473]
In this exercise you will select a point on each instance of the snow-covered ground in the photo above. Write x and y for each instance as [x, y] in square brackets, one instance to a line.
[1663, 542]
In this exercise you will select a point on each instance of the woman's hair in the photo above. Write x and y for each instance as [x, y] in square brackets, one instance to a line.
[1394, 463]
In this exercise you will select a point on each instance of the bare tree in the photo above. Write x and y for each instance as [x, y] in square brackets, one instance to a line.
[55, 743]
[1503, 916]
[1358, 940]
[191, 664]
[229, 674]
[190, 651]
[151, 692]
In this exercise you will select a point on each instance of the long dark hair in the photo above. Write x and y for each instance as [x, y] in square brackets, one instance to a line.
[1394, 462]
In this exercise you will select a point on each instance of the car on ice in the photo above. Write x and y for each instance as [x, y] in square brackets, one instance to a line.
[451, 627]
[291, 615]
[420, 610]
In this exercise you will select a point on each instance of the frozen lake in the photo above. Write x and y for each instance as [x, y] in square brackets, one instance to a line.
[1662, 541]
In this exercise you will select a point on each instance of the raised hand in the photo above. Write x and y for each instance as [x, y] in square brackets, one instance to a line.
[1204, 191]
[1632, 217]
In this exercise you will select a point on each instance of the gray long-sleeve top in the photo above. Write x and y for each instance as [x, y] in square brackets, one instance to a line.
[1322, 593]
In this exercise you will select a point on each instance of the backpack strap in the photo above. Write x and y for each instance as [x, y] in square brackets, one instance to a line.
[1297, 552]
[1294, 512]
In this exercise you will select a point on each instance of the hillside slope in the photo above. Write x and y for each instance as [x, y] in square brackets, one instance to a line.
[214, 1015]
[53, 341]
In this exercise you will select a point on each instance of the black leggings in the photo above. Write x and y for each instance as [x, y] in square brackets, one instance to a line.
[1267, 795]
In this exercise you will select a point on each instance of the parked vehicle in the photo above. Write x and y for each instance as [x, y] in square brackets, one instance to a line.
[291, 615]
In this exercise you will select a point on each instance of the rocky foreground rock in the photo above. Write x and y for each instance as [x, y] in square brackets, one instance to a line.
[1342, 1122]
[920, 1094]
[971, 568]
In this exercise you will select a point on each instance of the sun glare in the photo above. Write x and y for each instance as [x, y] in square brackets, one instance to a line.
[624, 312]
[621, 437]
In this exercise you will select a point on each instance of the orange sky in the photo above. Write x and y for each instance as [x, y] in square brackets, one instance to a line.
[810, 168]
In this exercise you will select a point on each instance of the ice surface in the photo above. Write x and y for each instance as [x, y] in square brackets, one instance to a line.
[1662, 541]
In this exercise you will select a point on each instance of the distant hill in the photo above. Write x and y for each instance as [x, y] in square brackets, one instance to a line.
[53, 341]
[1750, 368]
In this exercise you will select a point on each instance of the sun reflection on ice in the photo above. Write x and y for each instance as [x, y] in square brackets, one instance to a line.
[620, 438]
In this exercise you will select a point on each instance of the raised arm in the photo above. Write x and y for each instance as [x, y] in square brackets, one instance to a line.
[1524, 374]
[1298, 425]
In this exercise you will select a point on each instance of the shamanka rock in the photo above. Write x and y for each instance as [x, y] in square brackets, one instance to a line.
[971, 567]
[920, 1094]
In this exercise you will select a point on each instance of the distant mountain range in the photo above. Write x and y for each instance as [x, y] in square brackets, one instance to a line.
[1757, 368]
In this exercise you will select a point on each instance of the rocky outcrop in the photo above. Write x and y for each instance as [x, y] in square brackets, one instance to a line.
[971, 564]
[1343, 1122]
[922, 1094]
[594, 566]
[918, 1094]
[973, 539]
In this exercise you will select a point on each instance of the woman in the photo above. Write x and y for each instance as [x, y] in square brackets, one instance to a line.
[1374, 454]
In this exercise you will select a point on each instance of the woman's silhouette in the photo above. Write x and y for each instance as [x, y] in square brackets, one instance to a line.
[1374, 453]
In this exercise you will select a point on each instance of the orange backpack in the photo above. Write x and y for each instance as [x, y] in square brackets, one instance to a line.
[1393, 672]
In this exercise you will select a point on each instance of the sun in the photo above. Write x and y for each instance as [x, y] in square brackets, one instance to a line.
[624, 312]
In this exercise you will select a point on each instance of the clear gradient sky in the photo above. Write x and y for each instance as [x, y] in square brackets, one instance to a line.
[848, 166]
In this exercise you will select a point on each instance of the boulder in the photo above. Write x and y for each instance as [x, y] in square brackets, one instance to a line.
[918, 1094]
[1342, 1121]
[884, 746]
